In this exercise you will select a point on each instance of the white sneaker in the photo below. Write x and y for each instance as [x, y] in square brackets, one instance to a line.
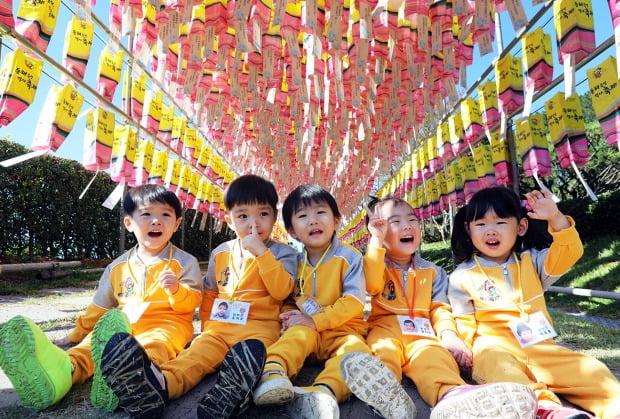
[374, 384]
[274, 388]
[497, 400]
[313, 404]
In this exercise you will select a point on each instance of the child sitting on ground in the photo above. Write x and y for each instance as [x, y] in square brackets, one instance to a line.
[158, 286]
[252, 274]
[411, 327]
[506, 264]
[326, 320]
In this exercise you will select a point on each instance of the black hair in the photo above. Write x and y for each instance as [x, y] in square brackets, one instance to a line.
[222, 303]
[505, 203]
[304, 195]
[143, 194]
[251, 189]
[376, 202]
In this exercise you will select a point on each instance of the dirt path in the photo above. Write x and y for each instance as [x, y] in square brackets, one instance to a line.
[62, 306]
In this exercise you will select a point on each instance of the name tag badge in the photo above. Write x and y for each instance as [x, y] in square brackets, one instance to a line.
[134, 309]
[230, 312]
[536, 329]
[308, 305]
[417, 326]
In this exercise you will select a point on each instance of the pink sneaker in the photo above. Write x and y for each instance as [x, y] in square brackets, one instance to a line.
[554, 411]
[497, 400]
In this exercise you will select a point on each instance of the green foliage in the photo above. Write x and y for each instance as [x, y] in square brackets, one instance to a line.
[44, 218]
[594, 218]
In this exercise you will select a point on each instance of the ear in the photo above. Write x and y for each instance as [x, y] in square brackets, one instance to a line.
[523, 225]
[127, 222]
[466, 225]
[178, 223]
[337, 222]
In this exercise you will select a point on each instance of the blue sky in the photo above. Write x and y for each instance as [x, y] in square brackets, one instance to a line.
[21, 130]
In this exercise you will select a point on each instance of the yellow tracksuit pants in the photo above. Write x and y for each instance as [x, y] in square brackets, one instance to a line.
[428, 364]
[548, 369]
[159, 347]
[208, 350]
[299, 342]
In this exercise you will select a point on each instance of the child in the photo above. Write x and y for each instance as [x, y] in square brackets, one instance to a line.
[155, 283]
[506, 266]
[253, 275]
[409, 291]
[327, 320]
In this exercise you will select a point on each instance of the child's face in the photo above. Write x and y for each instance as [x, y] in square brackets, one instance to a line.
[153, 224]
[403, 229]
[241, 218]
[314, 225]
[495, 237]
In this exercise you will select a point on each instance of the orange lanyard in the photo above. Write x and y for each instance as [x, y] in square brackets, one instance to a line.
[402, 284]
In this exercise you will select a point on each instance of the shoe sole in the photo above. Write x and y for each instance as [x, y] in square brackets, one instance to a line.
[274, 391]
[112, 322]
[18, 358]
[239, 373]
[123, 367]
[499, 400]
[374, 384]
[313, 405]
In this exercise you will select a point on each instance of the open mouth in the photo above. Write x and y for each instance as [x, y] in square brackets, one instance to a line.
[316, 232]
[155, 234]
[492, 243]
[407, 239]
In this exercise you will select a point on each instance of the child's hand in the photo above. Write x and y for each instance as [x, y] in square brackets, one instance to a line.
[62, 342]
[544, 208]
[456, 347]
[253, 243]
[377, 227]
[169, 282]
[296, 318]
[284, 318]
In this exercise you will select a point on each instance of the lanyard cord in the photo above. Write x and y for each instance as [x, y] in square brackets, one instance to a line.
[131, 270]
[301, 278]
[402, 284]
[522, 313]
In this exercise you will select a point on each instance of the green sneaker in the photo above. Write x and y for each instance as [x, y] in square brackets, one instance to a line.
[39, 370]
[111, 323]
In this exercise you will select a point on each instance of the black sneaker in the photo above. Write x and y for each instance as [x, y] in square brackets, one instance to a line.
[133, 377]
[239, 373]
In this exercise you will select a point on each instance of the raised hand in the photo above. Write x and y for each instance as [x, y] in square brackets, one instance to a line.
[253, 242]
[377, 227]
[544, 208]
